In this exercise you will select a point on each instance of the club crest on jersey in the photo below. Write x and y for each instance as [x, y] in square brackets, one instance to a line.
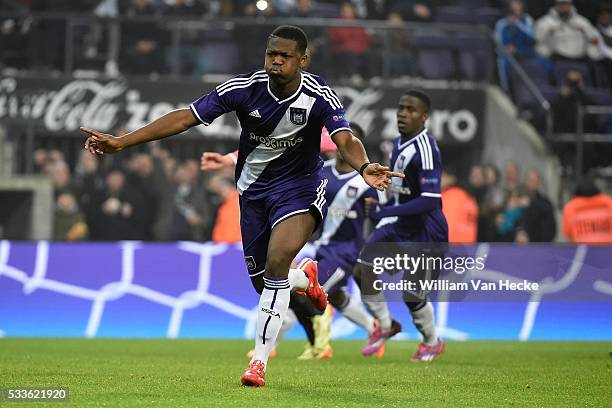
[250, 263]
[351, 192]
[297, 116]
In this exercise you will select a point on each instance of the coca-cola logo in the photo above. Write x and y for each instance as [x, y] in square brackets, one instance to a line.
[84, 102]
[62, 106]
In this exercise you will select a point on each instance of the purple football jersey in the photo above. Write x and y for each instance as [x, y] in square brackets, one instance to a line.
[420, 160]
[279, 142]
[345, 194]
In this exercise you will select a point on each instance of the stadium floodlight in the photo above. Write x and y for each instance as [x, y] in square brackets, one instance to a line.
[262, 5]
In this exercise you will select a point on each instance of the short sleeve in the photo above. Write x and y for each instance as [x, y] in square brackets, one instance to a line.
[333, 115]
[212, 105]
[429, 168]
[335, 121]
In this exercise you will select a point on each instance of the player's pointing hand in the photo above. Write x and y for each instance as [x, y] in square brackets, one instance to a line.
[379, 177]
[99, 143]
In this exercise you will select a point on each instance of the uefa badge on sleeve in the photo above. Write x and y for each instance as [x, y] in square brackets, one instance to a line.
[297, 116]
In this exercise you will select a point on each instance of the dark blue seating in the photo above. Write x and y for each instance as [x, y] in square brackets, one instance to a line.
[436, 63]
[454, 15]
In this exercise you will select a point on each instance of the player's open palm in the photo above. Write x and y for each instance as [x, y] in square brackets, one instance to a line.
[379, 177]
[99, 143]
[215, 161]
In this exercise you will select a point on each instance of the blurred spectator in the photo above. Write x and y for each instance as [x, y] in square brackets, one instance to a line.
[284, 7]
[512, 180]
[515, 33]
[68, 221]
[350, 46]
[419, 11]
[492, 204]
[400, 48]
[146, 179]
[460, 209]
[192, 56]
[189, 222]
[88, 181]
[142, 39]
[87, 178]
[303, 9]
[587, 217]
[116, 211]
[227, 222]
[59, 174]
[565, 34]
[39, 158]
[538, 223]
[514, 204]
[507, 222]
[55, 155]
[476, 183]
[377, 9]
[494, 196]
[164, 169]
[564, 106]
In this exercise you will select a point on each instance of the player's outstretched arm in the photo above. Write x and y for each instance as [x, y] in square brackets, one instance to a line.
[170, 124]
[354, 153]
[215, 161]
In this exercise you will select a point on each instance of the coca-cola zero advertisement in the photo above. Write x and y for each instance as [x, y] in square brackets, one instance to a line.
[62, 105]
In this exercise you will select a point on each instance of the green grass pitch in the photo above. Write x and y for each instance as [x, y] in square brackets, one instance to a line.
[204, 373]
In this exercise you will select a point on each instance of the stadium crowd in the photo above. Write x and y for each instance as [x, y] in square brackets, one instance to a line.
[151, 196]
[564, 46]
[542, 32]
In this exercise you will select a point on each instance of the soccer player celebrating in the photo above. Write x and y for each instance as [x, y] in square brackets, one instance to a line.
[281, 110]
[414, 215]
[338, 247]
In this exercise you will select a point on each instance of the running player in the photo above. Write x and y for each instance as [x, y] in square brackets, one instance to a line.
[342, 236]
[338, 247]
[281, 110]
[414, 215]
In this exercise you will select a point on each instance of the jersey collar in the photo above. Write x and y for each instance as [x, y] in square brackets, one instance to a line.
[406, 143]
[292, 96]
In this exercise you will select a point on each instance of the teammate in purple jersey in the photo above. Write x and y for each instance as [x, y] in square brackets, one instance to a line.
[281, 111]
[414, 215]
[342, 236]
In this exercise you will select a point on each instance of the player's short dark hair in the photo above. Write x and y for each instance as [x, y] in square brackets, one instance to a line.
[357, 131]
[422, 97]
[294, 33]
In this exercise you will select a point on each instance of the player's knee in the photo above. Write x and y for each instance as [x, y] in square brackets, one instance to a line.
[278, 264]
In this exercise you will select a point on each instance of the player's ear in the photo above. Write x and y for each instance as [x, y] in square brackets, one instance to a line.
[305, 59]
